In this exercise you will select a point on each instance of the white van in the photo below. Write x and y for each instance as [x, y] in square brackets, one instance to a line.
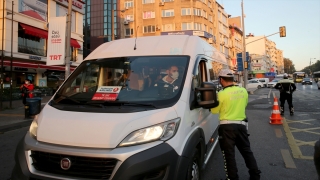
[134, 125]
[264, 81]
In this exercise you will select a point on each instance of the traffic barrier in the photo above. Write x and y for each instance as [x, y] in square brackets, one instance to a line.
[275, 117]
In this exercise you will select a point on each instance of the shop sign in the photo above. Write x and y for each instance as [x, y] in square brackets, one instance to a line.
[77, 5]
[56, 41]
[35, 58]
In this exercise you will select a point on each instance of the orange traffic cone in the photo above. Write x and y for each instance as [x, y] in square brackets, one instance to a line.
[275, 117]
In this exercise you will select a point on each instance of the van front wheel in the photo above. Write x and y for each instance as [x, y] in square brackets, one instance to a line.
[194, 167]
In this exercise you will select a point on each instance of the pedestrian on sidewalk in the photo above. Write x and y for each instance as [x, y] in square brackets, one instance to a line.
[233, 101]
[26, 90]
[286, 88]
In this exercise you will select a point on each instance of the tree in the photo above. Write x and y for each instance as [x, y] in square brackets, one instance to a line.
[314, 67]
[288, 66]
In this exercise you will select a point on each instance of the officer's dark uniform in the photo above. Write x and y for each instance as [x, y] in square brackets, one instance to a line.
[286, 88]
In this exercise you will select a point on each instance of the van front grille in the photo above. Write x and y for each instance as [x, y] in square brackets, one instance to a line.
[81, 167]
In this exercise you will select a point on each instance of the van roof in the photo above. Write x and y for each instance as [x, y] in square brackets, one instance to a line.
[157, 45]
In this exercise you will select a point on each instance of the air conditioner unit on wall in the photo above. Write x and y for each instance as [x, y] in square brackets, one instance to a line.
[161, 3]
[126, 22]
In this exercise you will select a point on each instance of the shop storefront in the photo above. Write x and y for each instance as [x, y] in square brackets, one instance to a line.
[40, 74]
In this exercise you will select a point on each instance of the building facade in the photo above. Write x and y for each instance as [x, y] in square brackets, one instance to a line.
[264, 49]
[24, 40]
[98, 25]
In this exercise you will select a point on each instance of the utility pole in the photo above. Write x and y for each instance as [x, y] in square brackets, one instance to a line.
[112, 20]
[11, 55]
[68, 38]
[244, 60]
[2, 56]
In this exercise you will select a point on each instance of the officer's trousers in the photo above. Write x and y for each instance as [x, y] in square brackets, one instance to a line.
[283, 97]
[231, 135]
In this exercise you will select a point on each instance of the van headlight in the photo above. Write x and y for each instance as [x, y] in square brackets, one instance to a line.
[34, 127]
[163, 132]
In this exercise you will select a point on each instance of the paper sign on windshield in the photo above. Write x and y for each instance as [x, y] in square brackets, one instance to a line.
[109, 89]
[107, 93]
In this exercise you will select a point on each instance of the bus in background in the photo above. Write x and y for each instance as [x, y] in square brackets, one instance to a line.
[316, 76]
[298, 76]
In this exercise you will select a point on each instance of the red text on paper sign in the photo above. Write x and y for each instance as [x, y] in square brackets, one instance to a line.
[55, 57]
[56, 40]
[105, 96]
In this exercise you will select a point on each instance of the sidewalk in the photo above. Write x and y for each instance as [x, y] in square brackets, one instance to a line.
[15, 118]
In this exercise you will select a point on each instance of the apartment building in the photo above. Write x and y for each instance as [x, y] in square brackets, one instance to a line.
[25, 32]
[262, 46]
[166, 17]
[236, 43]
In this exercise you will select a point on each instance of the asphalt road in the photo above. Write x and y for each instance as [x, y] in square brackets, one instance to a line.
[282, 151]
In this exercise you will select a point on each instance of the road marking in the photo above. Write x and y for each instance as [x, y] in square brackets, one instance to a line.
[305, 130]
[269, 94]
[288, 161]
[303, 114]
[278, 133]
[294, 148]
[309, 143]
[11, 114]
[296, 153]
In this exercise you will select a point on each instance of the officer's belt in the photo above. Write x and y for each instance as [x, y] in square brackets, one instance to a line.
[232, 122]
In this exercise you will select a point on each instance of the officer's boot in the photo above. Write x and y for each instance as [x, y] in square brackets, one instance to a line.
[291, 111]
[254, 174]
[281, 110]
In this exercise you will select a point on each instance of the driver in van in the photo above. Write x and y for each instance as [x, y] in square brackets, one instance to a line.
[171, 77]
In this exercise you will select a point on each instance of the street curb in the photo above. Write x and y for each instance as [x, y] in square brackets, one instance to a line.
[14, 126]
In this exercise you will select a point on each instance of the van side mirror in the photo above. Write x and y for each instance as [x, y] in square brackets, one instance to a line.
[208, 98]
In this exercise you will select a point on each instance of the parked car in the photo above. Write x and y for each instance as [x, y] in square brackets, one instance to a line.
[264, 81]
[273, 83]
[252, 84]
[306, 81]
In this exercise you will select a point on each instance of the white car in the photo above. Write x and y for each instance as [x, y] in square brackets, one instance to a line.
[253, 84]
[273, 83]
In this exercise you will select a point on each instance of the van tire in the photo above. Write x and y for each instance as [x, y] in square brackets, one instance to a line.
[193, 172]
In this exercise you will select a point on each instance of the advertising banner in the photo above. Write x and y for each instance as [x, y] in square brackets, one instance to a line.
[56, 41]
[77, 5]
[37, 9]
[63, 11]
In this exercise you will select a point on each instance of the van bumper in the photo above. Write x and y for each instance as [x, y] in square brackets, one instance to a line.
[158, 162]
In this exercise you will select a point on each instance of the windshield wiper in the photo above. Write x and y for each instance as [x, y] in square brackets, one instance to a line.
[78, 102]
[124, 103]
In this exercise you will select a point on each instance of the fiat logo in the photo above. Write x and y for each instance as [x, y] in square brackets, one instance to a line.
[65, 163]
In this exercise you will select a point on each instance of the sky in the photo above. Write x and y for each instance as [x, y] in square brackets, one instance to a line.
[300, 17]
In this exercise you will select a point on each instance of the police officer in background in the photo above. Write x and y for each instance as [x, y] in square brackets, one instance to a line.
[286, 88]
[233, 101]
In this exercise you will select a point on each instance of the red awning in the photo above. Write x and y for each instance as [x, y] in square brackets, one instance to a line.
[36, 65]
[35, 31]
[74, 43]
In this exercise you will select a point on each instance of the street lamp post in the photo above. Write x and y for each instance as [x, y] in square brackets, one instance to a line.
[2, 56]
[310, 65]
[68, 37]
[244, 60]
[11, 55]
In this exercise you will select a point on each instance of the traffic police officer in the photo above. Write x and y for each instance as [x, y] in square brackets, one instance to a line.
[286, 88]
[232, 130]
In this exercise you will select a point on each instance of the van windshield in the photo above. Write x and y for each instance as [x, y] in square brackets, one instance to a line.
[154, 81]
